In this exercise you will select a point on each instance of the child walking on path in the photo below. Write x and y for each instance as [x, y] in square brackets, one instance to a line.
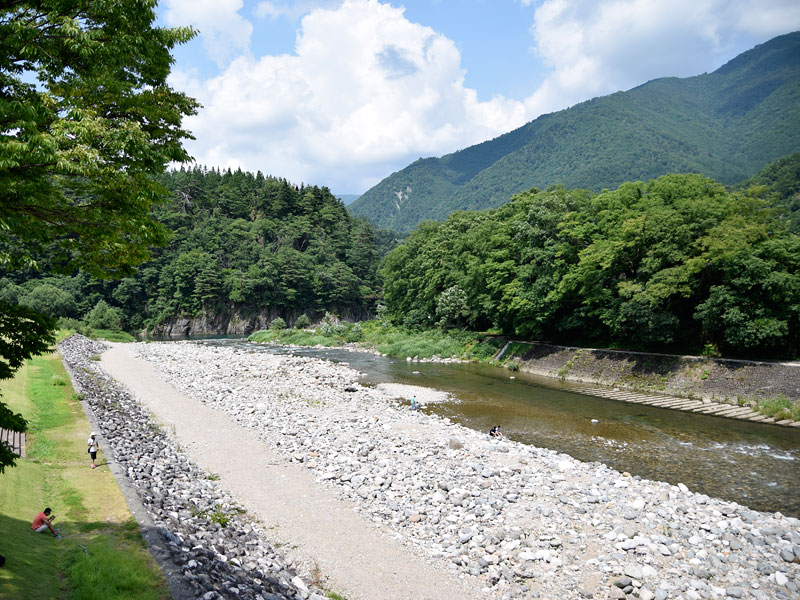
[93, 446]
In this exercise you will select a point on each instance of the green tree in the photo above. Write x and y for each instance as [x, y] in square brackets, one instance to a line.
[79, 147]
[86, 121]
[49, 299]
[104, 316]
[671, 264]
[451, 306]
[9, 291]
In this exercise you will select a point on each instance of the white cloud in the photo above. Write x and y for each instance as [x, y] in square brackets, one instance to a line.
[293, 9]
[365, 93]
[223, 30]
[595, 48]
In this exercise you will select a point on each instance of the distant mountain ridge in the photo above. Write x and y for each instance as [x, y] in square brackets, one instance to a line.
[727, 125]
[348, 198]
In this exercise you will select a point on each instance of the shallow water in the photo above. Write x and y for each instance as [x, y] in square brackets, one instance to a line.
[755, 465]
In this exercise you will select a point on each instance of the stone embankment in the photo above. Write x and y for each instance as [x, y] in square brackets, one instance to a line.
[717, 380]
[206, 546]
[527, 522]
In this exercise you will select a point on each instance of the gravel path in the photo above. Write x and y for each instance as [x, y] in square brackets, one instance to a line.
[352, 555]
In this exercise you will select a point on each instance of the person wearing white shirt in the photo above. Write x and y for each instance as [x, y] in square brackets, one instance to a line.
[93, 446]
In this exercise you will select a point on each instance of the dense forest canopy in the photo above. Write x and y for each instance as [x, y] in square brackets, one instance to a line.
[725, 125]
[780, 182]
[240, 244]
[676, 263]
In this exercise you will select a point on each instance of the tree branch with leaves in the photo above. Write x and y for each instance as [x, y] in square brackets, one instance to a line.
[87, 120]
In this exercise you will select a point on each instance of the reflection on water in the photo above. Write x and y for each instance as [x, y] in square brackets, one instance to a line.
[755, 465]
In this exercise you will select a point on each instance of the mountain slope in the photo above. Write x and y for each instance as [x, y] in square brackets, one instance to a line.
[726, 125]
[781, 180]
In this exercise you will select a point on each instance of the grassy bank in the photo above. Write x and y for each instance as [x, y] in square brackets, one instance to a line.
[110, 335]
[778, 407]
[101, 554]
[389, 340]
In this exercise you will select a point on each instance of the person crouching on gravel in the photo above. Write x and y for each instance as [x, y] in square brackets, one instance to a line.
[43, 521]
[93, 446]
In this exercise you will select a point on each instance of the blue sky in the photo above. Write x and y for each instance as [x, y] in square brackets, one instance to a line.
[344, 92]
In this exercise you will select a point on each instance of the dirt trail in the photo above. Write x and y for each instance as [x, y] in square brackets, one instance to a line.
[355, 558]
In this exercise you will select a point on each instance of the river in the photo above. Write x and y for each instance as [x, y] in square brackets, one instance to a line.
[755, 465]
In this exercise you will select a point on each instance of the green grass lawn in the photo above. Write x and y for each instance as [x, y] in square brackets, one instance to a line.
[101, 554]
[110, 335]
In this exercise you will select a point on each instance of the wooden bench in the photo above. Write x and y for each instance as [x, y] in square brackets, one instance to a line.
[14, 439]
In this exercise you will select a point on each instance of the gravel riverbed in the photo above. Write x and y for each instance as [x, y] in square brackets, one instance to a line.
[525, 522]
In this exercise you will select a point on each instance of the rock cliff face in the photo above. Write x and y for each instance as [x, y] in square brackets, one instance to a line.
[234, 322]
[684, 376]
[209, 324]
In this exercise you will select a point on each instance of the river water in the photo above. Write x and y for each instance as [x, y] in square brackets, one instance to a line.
[755, 465]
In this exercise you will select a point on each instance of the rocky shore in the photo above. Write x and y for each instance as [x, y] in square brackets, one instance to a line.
[526, 522]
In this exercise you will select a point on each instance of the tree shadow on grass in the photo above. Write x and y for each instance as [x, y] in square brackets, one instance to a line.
[36, 562]
[32, 559]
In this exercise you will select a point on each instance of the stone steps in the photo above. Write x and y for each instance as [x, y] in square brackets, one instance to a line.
[728, 411]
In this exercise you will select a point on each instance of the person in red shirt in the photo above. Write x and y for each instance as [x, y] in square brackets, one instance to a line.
[42, 522]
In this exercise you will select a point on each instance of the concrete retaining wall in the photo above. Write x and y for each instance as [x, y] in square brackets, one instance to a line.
[722, 380]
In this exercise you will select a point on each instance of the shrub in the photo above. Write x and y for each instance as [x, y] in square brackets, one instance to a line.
[262, 336]
[302, 322]
[277, 324]
[104, 316]
[354, 333]
[780, 407]
[69, 323]
[382, 314]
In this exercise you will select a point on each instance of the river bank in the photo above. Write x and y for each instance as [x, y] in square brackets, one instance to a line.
[737, 382]
[522, 521]
[769, 389]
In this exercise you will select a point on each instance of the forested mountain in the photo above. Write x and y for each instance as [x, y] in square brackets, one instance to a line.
[726, 125]
[676, 264]
[243, 247]
[780, 181]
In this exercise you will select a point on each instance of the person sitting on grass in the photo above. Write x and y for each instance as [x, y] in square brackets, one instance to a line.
[42, 522]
